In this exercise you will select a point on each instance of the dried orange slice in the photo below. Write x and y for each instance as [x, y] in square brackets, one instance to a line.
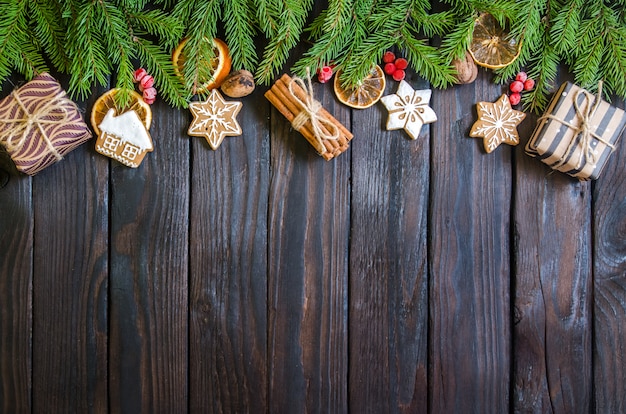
[216, 69]
[366, 94]
[107, 101]
[492, 46]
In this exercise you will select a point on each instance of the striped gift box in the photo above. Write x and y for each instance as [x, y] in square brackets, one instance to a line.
[559, 139]
[39, 124]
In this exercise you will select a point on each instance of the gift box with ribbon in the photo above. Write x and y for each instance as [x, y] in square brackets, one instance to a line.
[577, 133]
[39, 124]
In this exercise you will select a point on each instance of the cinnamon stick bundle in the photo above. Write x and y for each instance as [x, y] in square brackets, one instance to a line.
[289, 104]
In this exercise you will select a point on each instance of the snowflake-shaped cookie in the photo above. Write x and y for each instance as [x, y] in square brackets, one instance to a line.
[409, 109]
[214, 119]
[497, 123]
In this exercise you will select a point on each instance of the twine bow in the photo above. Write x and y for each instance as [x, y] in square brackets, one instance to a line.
[323, 129]
[583, 129]
[52, 112]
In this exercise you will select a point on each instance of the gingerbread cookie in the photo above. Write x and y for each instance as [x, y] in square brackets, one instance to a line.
[214, 119]
[122, 134]
[497, 123]
[409, 109]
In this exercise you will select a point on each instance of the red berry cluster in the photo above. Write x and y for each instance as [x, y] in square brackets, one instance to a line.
[394, 67]
[324, 74]
[521, 83]
[146, 87]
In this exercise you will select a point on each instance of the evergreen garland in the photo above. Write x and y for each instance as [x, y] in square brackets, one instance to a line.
[92, 40]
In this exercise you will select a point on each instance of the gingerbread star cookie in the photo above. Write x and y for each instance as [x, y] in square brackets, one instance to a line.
[497, 123]
[408, 109]
[214, 119]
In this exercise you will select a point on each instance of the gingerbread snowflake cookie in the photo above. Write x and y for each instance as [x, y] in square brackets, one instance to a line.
[214, 119]
[497, 123]
[408, 109]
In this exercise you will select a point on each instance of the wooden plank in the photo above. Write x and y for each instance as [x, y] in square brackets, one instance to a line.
[552, 325]
[469, 218]
[609, 307]
[388, 265]
[228, 265]
[16, 260]
[149, 272]
[70, 202]
[308, 263]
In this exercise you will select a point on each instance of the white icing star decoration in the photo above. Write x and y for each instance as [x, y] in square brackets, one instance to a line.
[214, 119]
[497, 123]
[409, 109]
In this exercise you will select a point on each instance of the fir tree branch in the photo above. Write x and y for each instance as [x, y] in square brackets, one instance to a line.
[240, 34]
[202, 25]
[160, 66]
[157, 23]
[527, 27]
[88, 62]
[50, 31]
[119, 47]
[335, 31]
[293, 18]
[544, 70]
[564, 25]
[17, 51]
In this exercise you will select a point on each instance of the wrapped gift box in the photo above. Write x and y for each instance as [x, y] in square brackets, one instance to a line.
[559, 139]
[39, 125]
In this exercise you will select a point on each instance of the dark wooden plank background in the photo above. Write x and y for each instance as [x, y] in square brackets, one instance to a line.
[403, 276]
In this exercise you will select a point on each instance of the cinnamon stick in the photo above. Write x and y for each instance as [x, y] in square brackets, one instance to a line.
[283, 91]
[286, 79]
[306, 131]
[286, 102]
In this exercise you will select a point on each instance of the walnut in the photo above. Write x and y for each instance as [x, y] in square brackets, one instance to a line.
[466, 69]
[239, 83]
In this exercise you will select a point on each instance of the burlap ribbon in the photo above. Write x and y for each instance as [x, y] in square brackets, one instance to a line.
[584, 115]
[322, 128]
[53, 112]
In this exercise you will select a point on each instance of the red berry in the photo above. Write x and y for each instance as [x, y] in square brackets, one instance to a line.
[389, 57]
[139, 74]
[398, 75]
[149, 95]
[515, 98]
[146, 82]
[389, 68]
[401, 63]
[516, 86]
[522, 76]
[529, 84]
[324, 74]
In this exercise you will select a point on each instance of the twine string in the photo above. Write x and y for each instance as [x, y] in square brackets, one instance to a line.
[583, 129]
[52, 112]
[323, 129]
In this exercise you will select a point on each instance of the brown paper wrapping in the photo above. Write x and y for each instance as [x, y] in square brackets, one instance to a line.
[551, 141]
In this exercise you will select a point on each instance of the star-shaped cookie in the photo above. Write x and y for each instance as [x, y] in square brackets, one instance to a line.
[497, 123]
[214, 119]
[408, 109]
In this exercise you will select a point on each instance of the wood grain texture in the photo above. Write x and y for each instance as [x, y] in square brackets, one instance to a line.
[469, 218]
[16, 261]
[552, 320]
[609, 307]
[308, 227]
[149, 273]
[70, 201]
[228, 264]
[388, 268]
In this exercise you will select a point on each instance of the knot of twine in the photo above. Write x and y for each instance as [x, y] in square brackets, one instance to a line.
[322, 128]
[53, 112]
[583, 129]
